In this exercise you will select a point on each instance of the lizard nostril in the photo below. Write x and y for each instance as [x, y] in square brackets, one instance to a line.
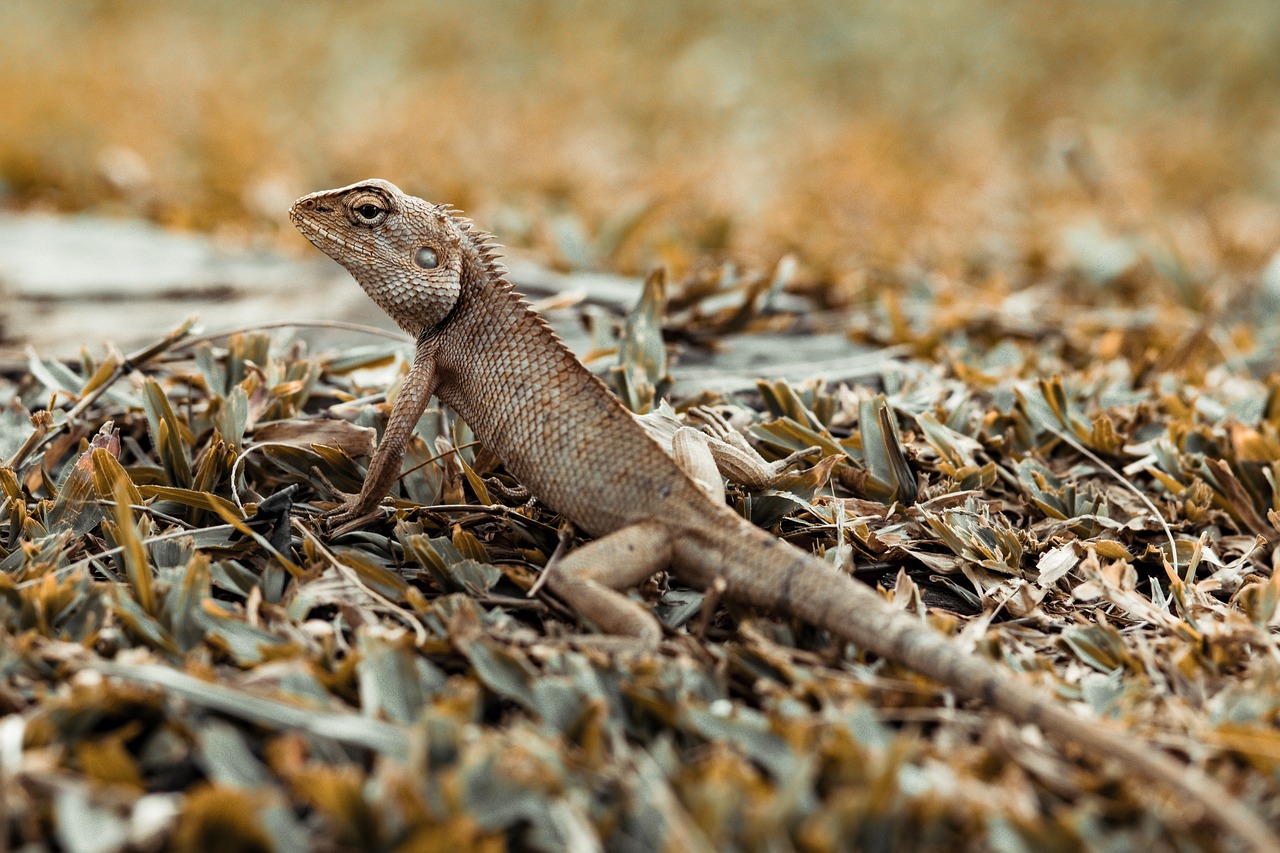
[314, 205]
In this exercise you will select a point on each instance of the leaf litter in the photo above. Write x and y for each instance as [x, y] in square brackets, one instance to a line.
[189, 657]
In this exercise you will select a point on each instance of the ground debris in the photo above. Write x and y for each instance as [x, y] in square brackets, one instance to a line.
[190, 656]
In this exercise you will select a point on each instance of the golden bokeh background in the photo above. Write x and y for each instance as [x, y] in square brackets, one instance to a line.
[616, 134]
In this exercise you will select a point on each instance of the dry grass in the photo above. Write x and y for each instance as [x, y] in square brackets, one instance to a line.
[1060, 211]
[190, 657]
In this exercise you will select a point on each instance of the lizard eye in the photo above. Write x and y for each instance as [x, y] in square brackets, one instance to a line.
[427, 258]
[367, 209]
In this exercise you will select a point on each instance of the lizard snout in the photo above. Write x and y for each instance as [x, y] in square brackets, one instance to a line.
[309, 204]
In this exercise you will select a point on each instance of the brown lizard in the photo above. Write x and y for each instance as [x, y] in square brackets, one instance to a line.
[483, 351]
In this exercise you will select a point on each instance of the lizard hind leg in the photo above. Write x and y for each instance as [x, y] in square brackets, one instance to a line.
[591, 578]
[692, 451]
[713, 448]
[729, 452]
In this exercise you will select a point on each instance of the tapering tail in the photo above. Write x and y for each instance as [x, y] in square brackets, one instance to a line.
[797, 584]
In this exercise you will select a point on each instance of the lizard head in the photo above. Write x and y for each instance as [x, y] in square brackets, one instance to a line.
[407, 254]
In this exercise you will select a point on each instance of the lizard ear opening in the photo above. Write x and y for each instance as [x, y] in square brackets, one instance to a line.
[427, 258]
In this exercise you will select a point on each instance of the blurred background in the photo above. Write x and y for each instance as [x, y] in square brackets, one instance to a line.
[974, 139]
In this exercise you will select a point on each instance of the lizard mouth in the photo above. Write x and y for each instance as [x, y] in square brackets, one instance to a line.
[303, 215]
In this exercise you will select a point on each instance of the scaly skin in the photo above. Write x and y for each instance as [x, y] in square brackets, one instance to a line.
[559, 430]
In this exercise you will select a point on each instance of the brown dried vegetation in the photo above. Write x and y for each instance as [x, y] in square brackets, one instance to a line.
[1050, 229]
[184, 650]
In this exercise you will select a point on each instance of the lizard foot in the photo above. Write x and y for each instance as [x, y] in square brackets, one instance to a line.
[736, 458]
[350, 515]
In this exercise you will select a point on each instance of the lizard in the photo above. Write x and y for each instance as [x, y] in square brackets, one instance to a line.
[482, 350]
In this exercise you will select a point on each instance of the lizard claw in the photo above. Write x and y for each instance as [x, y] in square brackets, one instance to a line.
[716, 425]
[794, 460]
[351, 514]
[713, 423]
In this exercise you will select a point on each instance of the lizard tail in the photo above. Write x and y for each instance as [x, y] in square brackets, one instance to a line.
[807, 589]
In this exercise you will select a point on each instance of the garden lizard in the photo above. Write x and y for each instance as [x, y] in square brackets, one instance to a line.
[482, 350]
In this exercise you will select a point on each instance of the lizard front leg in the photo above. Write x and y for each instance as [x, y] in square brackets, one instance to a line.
[415, 392]
[589, 579]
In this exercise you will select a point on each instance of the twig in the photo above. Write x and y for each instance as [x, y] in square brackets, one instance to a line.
[298, 324]
[566, 536]
[129, 363]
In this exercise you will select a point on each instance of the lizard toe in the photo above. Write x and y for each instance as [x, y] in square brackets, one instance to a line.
[349, 516]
